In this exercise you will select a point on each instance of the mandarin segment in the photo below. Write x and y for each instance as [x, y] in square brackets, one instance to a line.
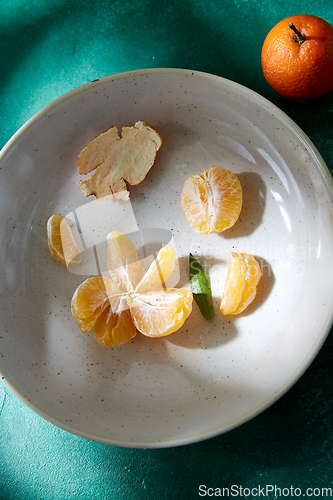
[98, 304]
[123, 260]
[212, 201]
[114, 329]
[162, 312]
[241, 284]
[159, 271]
[235, 283]
[61, 242]
[93, 294]
[253, 276]
[87, 324]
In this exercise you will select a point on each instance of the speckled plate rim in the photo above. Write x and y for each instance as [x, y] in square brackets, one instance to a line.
[325, 328]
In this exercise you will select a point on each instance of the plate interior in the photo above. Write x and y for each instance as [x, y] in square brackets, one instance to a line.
[210, 376]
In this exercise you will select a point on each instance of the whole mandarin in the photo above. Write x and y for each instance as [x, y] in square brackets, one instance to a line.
[297, 57]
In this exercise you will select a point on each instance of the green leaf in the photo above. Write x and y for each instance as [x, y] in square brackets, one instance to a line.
[200, 287]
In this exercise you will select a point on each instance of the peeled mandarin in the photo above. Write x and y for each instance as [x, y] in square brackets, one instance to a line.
[212, 201]
[115, 310]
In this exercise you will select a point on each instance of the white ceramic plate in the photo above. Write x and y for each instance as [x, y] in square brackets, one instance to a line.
[210, 376]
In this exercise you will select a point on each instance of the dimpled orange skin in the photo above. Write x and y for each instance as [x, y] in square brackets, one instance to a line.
[301, 71]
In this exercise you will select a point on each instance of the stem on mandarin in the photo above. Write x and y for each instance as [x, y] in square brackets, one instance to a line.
[300, 38]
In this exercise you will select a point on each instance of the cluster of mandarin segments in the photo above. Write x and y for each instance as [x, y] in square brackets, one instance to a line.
[131, 299]
[212, 201]
[241, 284]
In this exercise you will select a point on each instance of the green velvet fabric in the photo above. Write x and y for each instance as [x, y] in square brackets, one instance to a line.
[49, 47]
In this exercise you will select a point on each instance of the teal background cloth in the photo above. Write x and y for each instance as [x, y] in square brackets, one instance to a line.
[49, 47]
